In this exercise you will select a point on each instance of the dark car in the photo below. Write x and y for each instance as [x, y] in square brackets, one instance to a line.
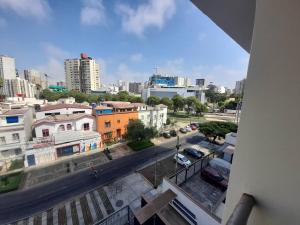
[213, 177]
[173, 133]
[183, 130]
[195, 124]
[193, 152]
[166, 135]
[193, 127]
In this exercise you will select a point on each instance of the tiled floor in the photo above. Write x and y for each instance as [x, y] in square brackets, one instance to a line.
[95, 205]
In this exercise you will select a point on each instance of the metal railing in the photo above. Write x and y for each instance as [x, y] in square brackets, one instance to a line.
[123, 216]
[184, 174]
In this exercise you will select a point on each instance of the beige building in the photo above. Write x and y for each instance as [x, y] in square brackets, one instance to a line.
[82, 74]
[266, 159]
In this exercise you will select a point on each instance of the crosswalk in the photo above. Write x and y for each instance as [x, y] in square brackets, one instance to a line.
[92, 206]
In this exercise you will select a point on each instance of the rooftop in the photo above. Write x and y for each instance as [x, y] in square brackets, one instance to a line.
[14, 112]
[61, 118]
[62, 106]
[102, 107]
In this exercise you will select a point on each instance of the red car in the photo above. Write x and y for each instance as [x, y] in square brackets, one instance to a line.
[193, 127]
[213, 177]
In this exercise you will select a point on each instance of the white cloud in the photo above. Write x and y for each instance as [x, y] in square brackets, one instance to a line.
[3, 22]
[54, 66]
[155, 13]
[137, 57]
[93, 13]
[38, 9]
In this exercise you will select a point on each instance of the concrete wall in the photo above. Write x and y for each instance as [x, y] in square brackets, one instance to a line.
[64, 111]
[266, 160]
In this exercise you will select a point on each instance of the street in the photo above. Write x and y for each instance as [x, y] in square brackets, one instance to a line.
[19, 204]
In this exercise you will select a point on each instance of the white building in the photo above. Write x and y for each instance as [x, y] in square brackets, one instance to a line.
[82, 74]
[19, 87]
[36, 77]
[171, 91]
[62, 109]
[123, 85]
[152, 116]
[60, 136]
[15, 131]
[7, 67]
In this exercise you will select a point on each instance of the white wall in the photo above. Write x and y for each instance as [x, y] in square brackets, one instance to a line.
[230, 138]
[266, 160]
[202, 217]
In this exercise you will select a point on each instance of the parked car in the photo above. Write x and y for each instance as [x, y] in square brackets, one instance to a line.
[210, 175]
[182, 160]
[173, 133]
[195, 124]
[193, 127]
[188, 128]
[183, 130]
[194, 153]
[166, 134]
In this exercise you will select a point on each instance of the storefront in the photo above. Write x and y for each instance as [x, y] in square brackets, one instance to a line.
[68, 150]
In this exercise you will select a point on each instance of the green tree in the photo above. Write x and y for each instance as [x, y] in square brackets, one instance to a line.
[178, 103]
[200, 108]
[214, 129]
[136, 131]
[135, 99]
[190, 104]
[123, 96]
[167, 101]
[153, 100]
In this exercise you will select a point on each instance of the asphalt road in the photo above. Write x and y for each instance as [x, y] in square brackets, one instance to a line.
[20, 204]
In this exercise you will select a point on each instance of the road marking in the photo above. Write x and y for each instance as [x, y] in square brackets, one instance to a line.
[79, 212]
[68, 214]
[44, 218]
[91, 206]
[55, 216]
[100, 203]
[30, 222]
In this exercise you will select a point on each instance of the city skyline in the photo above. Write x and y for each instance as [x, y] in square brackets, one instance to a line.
[126, 43]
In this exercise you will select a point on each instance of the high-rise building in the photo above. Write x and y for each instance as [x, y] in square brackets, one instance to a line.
[123, 85]
[7, 67]
[200, 82]
[36, 77]
[19, 87]
[72, 73]
[82, 74]
[135, 87]
[239, 87]
[89, 74]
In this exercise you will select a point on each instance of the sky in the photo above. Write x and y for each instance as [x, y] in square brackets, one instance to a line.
[128, 38]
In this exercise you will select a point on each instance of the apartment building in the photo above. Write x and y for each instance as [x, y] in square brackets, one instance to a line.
[7, 67]
[19, 87]
[62, 109]
[152, 116]
[60, 136]
[36, 77]
[112, 119]
[15, 131]
[263, 185]
[82, 74]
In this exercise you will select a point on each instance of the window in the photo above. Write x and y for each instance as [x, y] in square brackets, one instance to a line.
[142, 117]
[86, 126]
[52, 114]
[12, 119]
[107, 124]
[45, 132]
[69, 126]
[2, 140]
[61, 127]
[16, 137]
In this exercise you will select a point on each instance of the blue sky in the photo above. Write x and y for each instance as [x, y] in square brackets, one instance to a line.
[128, 38]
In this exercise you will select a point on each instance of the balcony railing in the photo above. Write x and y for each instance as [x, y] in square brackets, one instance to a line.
[242, 210]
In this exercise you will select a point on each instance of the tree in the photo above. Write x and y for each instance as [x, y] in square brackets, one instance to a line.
[216, 129]
[123, 96]
[190, 104]
[135, 99]
[200, 108]
[178, 103]
[167, 101]
[153, 100]
[136, 131]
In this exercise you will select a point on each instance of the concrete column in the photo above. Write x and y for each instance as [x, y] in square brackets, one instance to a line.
[266, 163]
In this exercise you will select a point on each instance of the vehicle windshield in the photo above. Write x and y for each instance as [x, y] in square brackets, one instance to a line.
[184, 159]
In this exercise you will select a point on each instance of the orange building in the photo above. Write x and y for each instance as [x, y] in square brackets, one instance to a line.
[112, 119]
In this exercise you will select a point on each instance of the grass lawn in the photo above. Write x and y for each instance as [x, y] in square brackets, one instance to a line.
[10, 182]
[16, 164]
[183, 117]
[139, 145]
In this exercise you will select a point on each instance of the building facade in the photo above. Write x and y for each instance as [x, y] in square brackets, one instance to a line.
[19, 87]
[200, 82]
[36, 77]
[135, 87]
[15, 131]
[152, 116]
[61, 136]
[7, 67]
[239, 87]
[112, 119]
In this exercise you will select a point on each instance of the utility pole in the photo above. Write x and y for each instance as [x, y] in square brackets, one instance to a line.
[177, 149]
